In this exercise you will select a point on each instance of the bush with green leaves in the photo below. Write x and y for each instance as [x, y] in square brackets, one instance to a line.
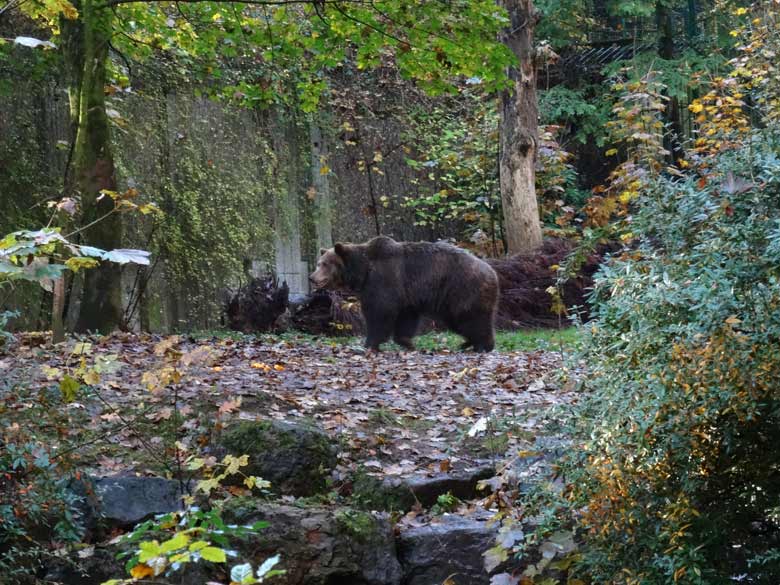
[165, 546]
[36, 508]
[676, 474]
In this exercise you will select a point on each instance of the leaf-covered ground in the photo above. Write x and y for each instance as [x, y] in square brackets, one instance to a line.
[121, 403]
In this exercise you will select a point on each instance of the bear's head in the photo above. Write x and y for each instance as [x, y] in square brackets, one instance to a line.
[330, 270]
[342, 266]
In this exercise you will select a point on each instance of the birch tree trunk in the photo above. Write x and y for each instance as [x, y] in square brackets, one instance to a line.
[519, 134]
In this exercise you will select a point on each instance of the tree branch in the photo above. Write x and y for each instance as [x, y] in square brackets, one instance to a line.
[111, 3]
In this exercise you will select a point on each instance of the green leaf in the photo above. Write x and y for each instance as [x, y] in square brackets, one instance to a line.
[149, 550]
[69, 386]
[213, 554]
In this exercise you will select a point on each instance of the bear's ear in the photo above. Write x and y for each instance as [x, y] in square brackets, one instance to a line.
[322, 251]
[341, 250]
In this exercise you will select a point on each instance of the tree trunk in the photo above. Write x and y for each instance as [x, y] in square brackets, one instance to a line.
[519, 134]
[672, 140]
[320, 182]
[85, 43]
[57, 307]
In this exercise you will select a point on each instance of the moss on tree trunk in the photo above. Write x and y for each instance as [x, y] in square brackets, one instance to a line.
[86, 44]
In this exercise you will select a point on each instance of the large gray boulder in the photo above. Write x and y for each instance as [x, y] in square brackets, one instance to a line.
[126, 501]
[105, 503]
[297, 459]
[320, 546]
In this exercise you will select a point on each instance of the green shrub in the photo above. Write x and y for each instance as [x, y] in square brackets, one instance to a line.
[36, 509]
[677, 478]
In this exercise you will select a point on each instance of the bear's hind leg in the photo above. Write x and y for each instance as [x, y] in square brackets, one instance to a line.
[478, 331]
[406, 326]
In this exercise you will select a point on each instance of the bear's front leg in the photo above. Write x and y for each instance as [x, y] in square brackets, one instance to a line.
[379, 326]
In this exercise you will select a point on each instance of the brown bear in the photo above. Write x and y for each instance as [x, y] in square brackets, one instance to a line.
[398, 282]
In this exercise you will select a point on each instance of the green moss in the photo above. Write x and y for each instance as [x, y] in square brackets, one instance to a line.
[371, 493]
[295, 458]
[360, 526]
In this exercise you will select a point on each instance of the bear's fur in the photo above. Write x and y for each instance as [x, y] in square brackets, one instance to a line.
[398, 282]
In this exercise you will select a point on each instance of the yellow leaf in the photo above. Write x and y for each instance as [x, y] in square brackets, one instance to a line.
[141, 571]
[696, 107]
[467, 411]
[611, 152]
[77, 263]
[51, 373]
[216, 17]
[179, 541]
[324, 169]
[733, 320]
[91, 378]
[82, 348]
[213, 554]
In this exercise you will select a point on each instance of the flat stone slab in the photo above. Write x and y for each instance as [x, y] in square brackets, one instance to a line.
[451, 548]
[427, 488]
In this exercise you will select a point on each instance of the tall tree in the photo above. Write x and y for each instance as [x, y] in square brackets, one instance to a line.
[431, 42]
[85, 42]
[519, 129]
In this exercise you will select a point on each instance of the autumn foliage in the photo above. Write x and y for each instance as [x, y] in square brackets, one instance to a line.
[674, 478]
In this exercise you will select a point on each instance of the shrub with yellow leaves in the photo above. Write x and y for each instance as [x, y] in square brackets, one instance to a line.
[196, 533]
[673, 477]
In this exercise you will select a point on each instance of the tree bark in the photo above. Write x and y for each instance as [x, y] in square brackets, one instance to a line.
[520, 134]
[86, 44]
[672, 140]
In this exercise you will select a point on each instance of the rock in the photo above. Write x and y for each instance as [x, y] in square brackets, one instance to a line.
[86, 506]
[401, 493]
[321, 546]
[126, 501]
[101, 565]
[104, 503]
[450, 548]
[296, 459]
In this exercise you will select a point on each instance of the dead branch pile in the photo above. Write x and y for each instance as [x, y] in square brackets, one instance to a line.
[328, 313]
[525, 303]
[257, 306]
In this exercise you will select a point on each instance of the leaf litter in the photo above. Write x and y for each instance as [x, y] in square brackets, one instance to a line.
[394, 413]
